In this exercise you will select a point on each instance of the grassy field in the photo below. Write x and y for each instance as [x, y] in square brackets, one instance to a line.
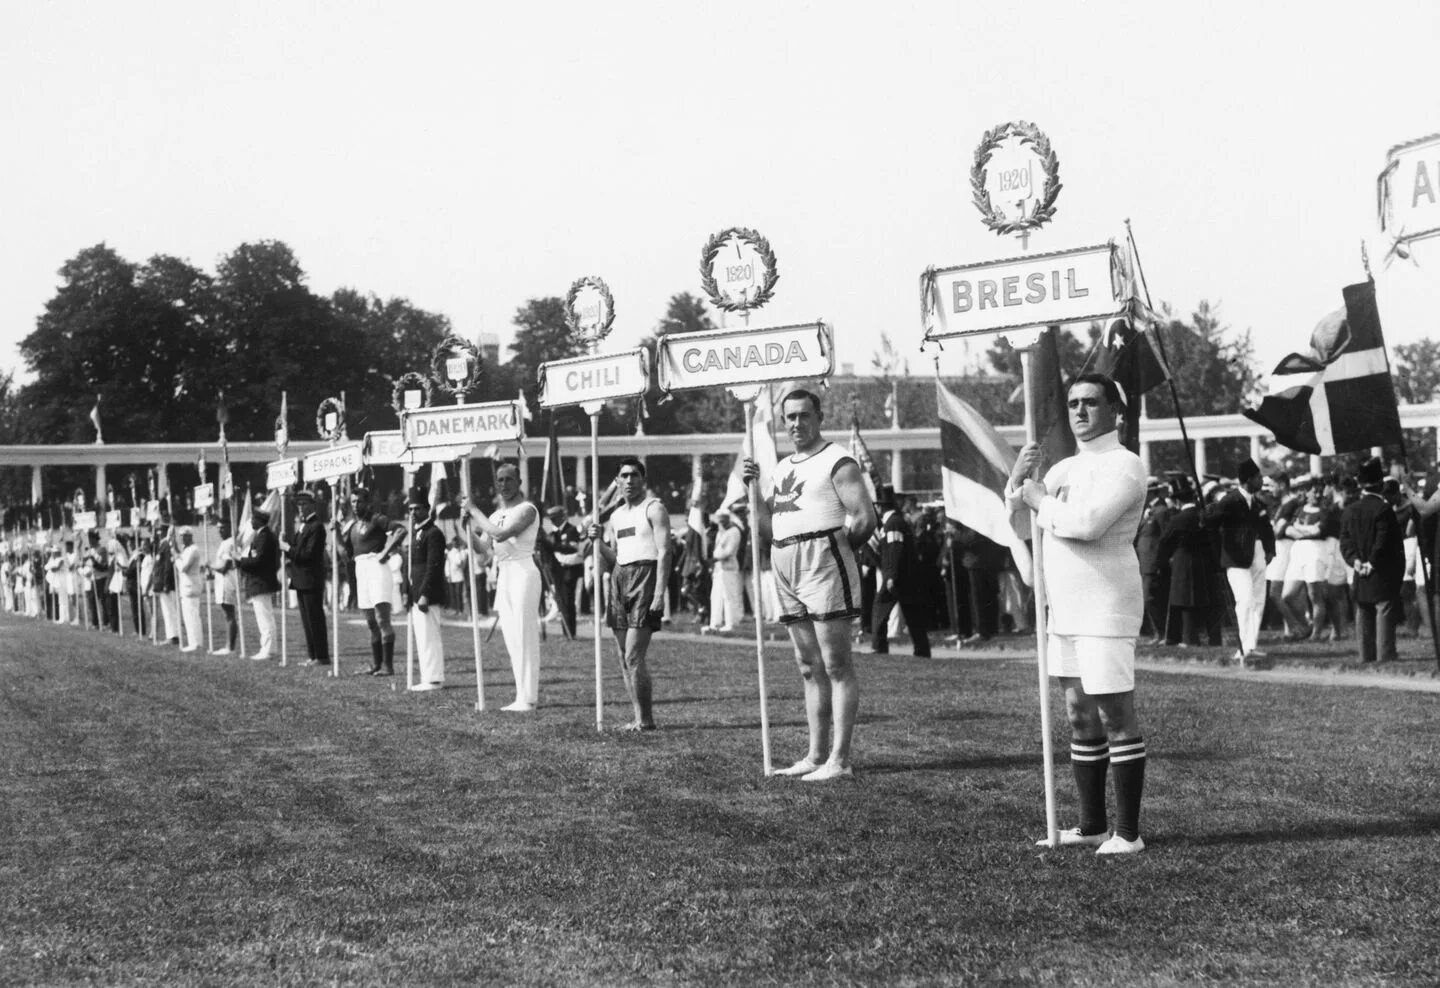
[187, 820]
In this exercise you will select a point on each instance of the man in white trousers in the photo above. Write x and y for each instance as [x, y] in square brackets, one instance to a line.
[190, 581]
[512, 529]
[427, 592]
[727, 600]
[1247, 544]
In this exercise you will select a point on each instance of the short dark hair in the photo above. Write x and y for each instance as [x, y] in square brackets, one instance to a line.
[1104, 382]
[800, 394]
[632, 461]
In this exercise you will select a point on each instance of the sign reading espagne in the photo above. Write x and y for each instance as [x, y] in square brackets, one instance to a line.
[282, 473]
[729, 357]
[337, 461]
[601, 378]
[1410, 190]
[1038, 290]
[462, 425]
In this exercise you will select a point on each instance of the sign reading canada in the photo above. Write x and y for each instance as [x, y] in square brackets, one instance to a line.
[602, 378]
[1410, 190]
[462, 425]
[282, 473]
[1038, 290]
[729, 357]
[337, 461]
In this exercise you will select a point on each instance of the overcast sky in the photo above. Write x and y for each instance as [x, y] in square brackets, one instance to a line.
[470, 156]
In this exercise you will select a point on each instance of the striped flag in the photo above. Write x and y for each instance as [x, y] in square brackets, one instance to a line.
[975, 468]
[95, 421]
[1340, 397]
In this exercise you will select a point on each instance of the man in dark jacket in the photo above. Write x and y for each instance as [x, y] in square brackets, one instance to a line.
[307, 577]
[1373, 544]
[260, 564]
[425, 592]
[901, 581]
[1247, 544]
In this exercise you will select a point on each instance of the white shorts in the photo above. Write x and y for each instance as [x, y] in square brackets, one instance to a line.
[1103, 665]
[1275, 571]
[1309, 562]
[374, 582]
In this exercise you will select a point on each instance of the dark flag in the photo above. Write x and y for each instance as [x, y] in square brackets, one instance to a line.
[1129, 357]
[1052, 423]
[1338, 398]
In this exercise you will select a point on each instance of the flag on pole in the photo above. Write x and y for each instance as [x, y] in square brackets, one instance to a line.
[764, 456]
[1052, 422]
[1128, 349]
[200, 464]
[861, 454]
[975, 467]
[552, 483]
[282, 426]
[95, 421]
[1339, 397]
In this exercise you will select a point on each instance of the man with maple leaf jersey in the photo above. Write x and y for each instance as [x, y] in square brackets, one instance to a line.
[817, 516]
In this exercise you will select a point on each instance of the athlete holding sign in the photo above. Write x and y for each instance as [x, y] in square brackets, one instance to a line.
[816, 517]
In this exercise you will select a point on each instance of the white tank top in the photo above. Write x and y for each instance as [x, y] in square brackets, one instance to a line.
[805, 500]
[634, 535]
[521, 545]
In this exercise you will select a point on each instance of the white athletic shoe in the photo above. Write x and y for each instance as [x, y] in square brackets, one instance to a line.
[425, 687]
[803, 767]
[518, 706]
[1074, 838]
[222, 651]
[827, 772]
[188, 648]
[1119, 845]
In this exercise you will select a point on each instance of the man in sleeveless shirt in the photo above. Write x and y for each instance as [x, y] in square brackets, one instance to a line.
[512, 530]
[817, 516]
[637, 548]
[372, 540]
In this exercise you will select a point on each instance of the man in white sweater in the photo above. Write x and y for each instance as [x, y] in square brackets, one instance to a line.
[1087, 511]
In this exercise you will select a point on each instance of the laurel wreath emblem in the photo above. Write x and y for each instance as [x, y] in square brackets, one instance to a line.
[572, 317]
[707, 269]
[455, 346]
[409, 381]
[327, 406]
[1029, 134]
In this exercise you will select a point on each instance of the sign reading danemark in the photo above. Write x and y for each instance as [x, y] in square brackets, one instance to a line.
[600, 378]
[743, 356]
[1410, 190]
[388, 449]
[1039, 290]
[337, 461]
[282, 473]
[462, 425]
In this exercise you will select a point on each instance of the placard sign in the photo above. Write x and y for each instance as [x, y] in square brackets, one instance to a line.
[204, 496]
[385, 448]
[1038, 290]
[115, 520]
[84, 521]
[729, 357]
[457, 425]
[152, 510]
[282, 473]
[1409, 197]
[600, 378]
[338, 461]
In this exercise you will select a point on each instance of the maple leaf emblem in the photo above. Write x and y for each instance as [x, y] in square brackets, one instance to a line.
[787, 492]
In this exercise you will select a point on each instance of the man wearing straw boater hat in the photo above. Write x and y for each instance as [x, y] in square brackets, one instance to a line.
[259, 566]
[1087, 510]
[817, 516]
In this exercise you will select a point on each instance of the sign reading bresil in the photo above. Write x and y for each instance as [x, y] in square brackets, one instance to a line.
[337, 461]
[606, 377]
[731, 357]
[462, 425]
[282, 473]
[1037, 290]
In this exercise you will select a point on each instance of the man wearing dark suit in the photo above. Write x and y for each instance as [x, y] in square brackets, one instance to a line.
[567, 565]
[1154, 574]
[1247, 544]
[425, 592]
[307, 577]
[260, 563]
[1373, 544]
[901, 581]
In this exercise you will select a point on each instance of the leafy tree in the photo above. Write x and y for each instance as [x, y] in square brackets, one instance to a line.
[394, 338]
[1417, 371]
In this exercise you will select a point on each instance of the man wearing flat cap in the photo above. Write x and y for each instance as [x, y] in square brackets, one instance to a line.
[307, 577]
[1373, 544]
[1247, 544]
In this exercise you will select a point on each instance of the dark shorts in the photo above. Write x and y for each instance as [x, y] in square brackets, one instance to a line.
[632, 589]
